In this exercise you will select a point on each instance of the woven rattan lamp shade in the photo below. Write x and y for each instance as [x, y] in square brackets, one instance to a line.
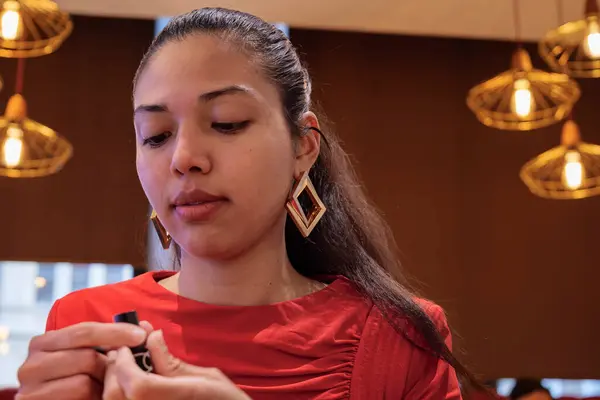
[569, 171]
[553, 95]
[32, 28]
[574, 48]
[29, 149]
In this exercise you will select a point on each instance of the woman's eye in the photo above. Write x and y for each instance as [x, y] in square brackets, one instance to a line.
[229, 127]
[157, 140]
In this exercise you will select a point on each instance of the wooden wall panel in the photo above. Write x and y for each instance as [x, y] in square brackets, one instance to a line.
[94, 210]
[517, 274]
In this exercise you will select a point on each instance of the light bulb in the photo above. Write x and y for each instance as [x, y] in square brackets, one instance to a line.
[4, 333]
[522, 102]
[10, 21]
[591, 43]
[12, 148]
[40, 282]
[573, 171]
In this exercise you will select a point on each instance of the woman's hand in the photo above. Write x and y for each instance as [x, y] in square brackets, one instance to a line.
[62, 364]
[172, 378]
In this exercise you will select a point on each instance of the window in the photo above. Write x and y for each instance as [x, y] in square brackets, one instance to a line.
[162, 22]
[577, 388]
[80, 277]
[28, 290]
[44, 282]
[114, 275]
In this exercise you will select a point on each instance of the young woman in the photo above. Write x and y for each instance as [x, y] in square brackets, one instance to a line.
[272, 299]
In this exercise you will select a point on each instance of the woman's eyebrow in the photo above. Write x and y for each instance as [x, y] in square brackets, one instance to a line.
[204, 97]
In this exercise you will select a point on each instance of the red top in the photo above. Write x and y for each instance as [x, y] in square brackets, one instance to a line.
[331, 344]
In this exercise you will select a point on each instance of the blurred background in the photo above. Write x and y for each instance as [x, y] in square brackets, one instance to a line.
[491, 186]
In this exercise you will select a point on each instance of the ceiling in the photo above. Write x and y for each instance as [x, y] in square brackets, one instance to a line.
[484, 19]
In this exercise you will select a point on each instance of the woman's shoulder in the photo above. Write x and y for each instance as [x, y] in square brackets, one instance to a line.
[399, 329]
[389, 363]
[437, 314]
[98, 303]
[377, 322]
[107, 291]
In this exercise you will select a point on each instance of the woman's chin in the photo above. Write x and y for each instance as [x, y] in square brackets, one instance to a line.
[217, 242]
[209, 248]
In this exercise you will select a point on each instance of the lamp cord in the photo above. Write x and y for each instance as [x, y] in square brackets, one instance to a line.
[20, 76]
[517, 22]
[560, 12]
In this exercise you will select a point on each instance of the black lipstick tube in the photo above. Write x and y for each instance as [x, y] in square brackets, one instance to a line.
[140, 353]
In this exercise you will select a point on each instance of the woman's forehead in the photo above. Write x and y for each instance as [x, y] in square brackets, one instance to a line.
[198, 64]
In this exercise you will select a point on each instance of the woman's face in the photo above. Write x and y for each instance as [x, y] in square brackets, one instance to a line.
[214, 152]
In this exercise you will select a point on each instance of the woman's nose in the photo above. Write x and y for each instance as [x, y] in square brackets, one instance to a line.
[191, 153]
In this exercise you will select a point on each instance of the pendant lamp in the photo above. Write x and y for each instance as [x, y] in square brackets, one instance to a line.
[523, 98]
[32, 28]
[574, 48]
[28, 149]
[568, 171]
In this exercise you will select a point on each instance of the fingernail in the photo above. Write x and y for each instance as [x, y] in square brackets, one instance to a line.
[139, 334]
[112, 355]
[161, 339]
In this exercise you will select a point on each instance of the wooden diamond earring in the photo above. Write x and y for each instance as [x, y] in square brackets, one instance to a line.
[163, 235]
[305, 222]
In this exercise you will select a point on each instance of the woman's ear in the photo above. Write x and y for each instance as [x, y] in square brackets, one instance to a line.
[308, 144]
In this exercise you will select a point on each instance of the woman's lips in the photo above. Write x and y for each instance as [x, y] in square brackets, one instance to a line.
[199, 211]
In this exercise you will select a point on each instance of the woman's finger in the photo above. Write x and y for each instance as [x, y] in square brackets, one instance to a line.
[49, 366]
[139, 385]
[166, 364]
[89, 334]
[76, 387]
[134, 382]
[147, 326]
[112, 389]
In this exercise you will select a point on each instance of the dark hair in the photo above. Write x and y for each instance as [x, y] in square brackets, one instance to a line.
[352, 239]
[525, 386]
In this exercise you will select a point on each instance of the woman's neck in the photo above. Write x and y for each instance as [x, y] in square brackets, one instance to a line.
[262, 275]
